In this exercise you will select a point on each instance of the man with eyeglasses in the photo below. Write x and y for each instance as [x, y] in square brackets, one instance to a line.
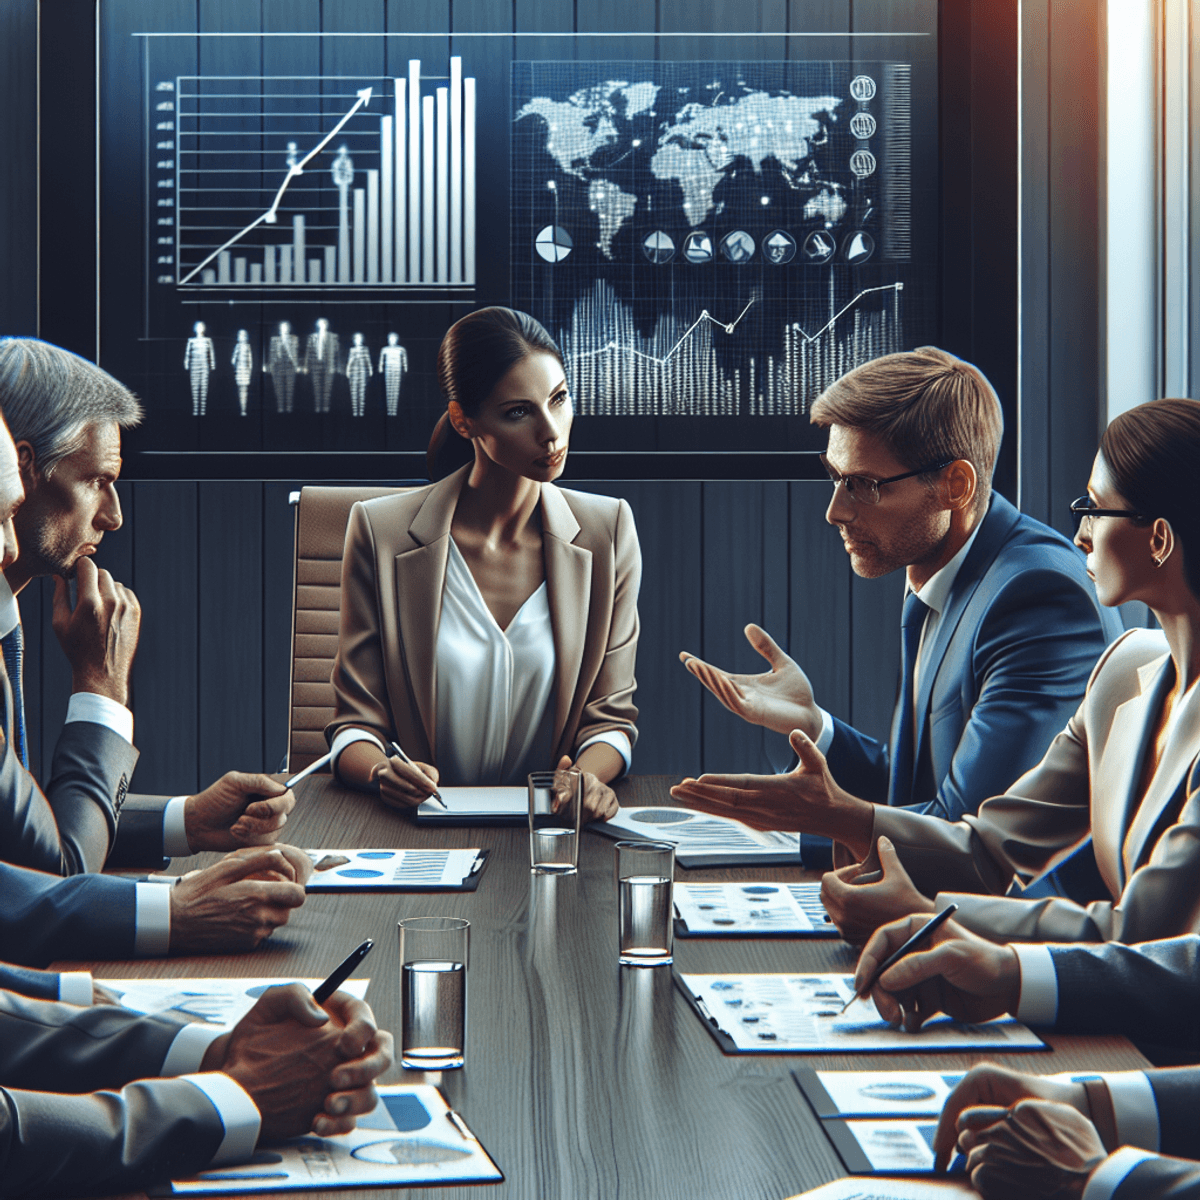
[999, 633]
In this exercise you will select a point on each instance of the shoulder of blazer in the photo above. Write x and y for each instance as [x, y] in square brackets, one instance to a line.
[597, 515]
[1133, 650]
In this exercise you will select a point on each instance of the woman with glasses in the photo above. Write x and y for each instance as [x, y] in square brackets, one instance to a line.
[489, 621]
[1127, 767]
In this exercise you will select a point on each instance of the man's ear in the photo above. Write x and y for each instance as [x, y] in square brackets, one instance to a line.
[459, 421]
[27, 463]
[960, 484]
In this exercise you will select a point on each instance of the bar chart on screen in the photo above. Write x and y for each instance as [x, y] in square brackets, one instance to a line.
[285, 184]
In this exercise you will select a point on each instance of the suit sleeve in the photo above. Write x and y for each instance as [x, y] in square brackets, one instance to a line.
[1031, 658]
[139, 841]
[1138, 991]
[858, 763]
[69, 829]
[359, 685]
[1160, 1178]
[610, 700]
[44, 917]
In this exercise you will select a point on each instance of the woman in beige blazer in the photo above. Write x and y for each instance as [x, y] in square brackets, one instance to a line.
[489, 621]
[1127, 767]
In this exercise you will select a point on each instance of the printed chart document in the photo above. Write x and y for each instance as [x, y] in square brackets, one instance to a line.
[897, 1146]
[406, 870]
[477, 806]
[704, 841]
[762, 908]
[217, 1001]
[412, 1137]
[888, 1093]
[891, 1189]
[790, 1014]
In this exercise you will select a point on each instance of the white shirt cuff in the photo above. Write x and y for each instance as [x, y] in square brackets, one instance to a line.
[1135, 1107]
[100, 710]
[618, 739]
[1110, 1174]
[152, 920]
[175, 842]
[1038, 1004]
[189, 1048]
[347, 737]
[825, 737]
[75, 987]
[238, 1113]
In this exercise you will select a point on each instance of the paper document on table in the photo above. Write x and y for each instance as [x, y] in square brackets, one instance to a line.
[407, 870]
[896, 1147]
[218, 1001]
[762, 907]
[704, 841]
[411, 1138]
[466, 805]
[891, 1189]
[790, 1014]
[888, 1093]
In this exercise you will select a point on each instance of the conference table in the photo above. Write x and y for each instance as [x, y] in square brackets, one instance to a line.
[583, 1078]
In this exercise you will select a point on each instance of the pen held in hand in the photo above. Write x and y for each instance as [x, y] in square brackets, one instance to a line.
[342, 972]
[399, 753]
[915, 942]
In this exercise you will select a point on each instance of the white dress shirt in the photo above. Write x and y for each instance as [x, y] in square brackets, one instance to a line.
[494, 688]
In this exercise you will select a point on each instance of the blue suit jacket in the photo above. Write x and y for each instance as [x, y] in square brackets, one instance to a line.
[1010, 659]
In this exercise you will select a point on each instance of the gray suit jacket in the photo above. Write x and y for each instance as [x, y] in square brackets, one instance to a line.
[109, 1140]
[1147, 847]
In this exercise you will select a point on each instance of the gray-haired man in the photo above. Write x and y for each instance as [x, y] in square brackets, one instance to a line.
[57, 487]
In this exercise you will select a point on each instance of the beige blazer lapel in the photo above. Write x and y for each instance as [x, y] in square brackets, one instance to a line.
[569, 589]
[419, 601]
[1178, 756]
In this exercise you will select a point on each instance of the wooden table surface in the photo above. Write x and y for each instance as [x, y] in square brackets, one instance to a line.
[582, 1078]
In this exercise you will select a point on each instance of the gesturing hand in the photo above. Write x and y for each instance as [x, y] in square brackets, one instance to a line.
[806, 800]
[236, 903]
[303, 1066]
[960, 974]
[599, 800]
[99, 635]
[780, 699]
[237, 810]
[858, 909]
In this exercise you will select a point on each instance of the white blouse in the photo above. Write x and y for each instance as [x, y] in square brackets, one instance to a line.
[495, 716]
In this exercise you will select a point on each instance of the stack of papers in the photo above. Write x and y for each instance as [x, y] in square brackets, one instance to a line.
[412, 1137]
[477, 806]
[762, 908]
[704, 841]
[789, 1014]
[395, 870]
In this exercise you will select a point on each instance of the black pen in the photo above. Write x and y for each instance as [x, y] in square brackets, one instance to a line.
[918, 939]
[342, 973]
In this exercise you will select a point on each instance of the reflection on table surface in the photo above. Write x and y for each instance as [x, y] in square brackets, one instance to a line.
[582, 1078]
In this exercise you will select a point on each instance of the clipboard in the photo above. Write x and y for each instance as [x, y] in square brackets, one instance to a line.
[396, 870]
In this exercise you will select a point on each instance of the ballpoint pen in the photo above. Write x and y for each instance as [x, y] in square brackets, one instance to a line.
[917, 940]
[342, 972]
[399, 753]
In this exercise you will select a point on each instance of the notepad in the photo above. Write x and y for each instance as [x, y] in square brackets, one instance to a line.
[760, 908]
[791, 1014]
[701, 840]
[477, 806]
[396, 870]
[892, 1189]
[217, 1001]
[412, 1137]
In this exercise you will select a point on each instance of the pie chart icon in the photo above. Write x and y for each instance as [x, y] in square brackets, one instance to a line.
[658, 247]
[553, 243]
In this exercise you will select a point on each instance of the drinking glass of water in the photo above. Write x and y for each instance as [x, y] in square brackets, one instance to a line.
[555, 802]
[644, 913]
[433, 992]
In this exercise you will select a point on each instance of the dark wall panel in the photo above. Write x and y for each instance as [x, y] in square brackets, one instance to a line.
[18, 180]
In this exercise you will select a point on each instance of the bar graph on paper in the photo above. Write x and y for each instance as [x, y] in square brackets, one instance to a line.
[337, 184]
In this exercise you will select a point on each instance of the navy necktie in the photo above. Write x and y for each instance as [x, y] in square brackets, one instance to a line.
[13, 647]
[904, 725]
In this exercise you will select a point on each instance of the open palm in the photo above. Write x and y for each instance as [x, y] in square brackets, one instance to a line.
[780, 699]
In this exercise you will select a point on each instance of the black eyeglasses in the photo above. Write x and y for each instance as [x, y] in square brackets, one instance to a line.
[1084, 509]
[864, 489]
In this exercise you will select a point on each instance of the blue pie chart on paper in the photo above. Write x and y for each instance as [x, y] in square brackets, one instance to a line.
[660, 816]
[759, 890]
[898, 1091]
[359, 873]
[378, 854]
